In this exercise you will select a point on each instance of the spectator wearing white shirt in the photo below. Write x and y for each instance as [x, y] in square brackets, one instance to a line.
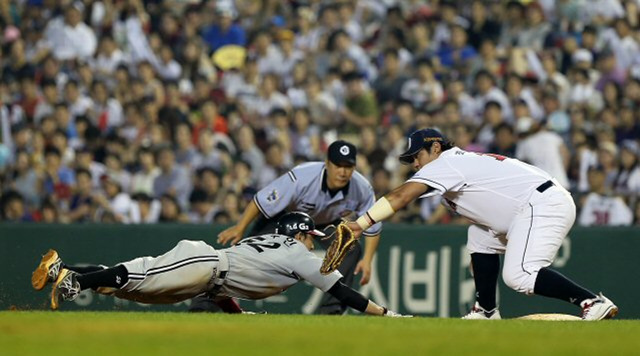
[149, 209]
[202, 208]
[78, 104]
[242, 85]
[322, 105]
[424, 89]
[107, 111]
[535, 33]
[583, 90]
[109, 57]
[517, 91]
[269, 57]
[308, 34]
[69, 37]
[290, 55]
[620, 40]
[116, 171]
[600, 207]
[46, 107]
[173, 179]
[208, 155]
[488, 91]
[340, 44]
[115, 205]
[142, 181]
[350, 23]
[627, 180]
[268, 98]
[168, 68]
[543, 149]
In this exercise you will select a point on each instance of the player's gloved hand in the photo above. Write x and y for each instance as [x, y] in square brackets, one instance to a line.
[392, 314]
[231, 235]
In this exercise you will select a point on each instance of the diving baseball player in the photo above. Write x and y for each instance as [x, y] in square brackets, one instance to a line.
[255, 268]
[516, 209]
[328, 191]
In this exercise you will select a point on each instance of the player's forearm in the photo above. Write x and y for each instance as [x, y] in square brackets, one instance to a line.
[250, 213]
[354, 300]
[374, 309]
[381, 210]
[370, 247]
[386, 206]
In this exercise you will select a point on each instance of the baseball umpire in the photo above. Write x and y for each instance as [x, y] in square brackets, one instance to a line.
[517, 210]
[328, 191]
[255, 268]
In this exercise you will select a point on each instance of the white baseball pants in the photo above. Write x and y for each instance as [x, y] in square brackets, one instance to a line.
[533, 239]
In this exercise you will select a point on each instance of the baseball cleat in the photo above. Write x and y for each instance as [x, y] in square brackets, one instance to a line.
[479, 313]
[598, 308]
[47, 270]
[66, 287]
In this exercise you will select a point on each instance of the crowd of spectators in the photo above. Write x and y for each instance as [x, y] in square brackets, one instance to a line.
[137, 111]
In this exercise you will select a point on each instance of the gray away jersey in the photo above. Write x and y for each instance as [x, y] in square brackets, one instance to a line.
[301, 189]
[266, 265]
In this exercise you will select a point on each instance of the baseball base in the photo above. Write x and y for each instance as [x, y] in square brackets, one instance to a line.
[550, 317]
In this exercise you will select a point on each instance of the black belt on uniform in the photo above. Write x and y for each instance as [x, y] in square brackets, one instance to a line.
[544, 186]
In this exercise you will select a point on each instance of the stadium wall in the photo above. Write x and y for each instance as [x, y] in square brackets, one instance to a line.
[422, 270]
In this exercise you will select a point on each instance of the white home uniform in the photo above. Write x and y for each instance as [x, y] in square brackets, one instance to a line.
[255, 268]
[516, 209]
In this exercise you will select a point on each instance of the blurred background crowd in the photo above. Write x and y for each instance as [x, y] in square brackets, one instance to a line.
[135, 111]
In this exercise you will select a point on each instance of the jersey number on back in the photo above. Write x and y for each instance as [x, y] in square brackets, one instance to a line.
[497, 157]
[259, 244]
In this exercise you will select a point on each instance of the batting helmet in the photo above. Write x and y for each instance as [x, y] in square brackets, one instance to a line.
[294, 222]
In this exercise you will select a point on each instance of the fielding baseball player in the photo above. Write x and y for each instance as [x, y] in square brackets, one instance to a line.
[328, 191]
[517, 210]
[255, 268]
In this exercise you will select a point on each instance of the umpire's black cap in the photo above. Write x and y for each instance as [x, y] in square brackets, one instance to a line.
[342, 152]
[417, 141]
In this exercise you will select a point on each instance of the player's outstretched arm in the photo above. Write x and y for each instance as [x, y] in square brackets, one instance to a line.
[386, 206]
[234, 233]
[357, 301]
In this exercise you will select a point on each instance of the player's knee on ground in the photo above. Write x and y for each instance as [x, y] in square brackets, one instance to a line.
[520, 280]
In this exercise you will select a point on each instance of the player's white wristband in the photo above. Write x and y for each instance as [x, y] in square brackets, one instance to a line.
[381, 210]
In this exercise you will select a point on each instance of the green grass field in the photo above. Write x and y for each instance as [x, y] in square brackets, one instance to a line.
[121, 333]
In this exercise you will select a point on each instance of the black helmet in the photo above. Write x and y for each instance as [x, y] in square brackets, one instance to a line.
[294, 222]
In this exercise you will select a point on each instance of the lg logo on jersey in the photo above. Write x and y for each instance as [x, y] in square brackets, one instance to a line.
[298, 226]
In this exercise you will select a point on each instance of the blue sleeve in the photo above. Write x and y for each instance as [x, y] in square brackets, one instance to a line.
[239, 37]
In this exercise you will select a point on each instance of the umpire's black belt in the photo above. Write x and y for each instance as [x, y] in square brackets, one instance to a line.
[544, 186]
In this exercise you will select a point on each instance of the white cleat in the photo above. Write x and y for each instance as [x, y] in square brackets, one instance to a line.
[65, 288]
[598, 308]
[479, 313]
